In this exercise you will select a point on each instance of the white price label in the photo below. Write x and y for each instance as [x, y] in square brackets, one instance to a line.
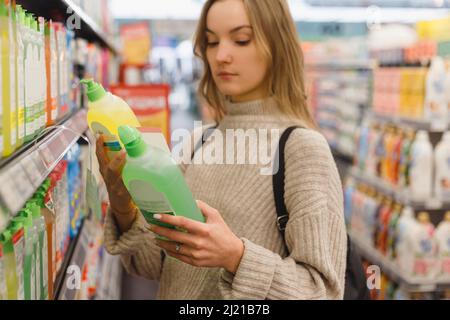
[31, 170]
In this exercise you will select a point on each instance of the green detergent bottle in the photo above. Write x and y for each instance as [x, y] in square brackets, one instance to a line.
[154, 180]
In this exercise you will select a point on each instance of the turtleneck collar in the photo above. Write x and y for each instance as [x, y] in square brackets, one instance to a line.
[266, 106]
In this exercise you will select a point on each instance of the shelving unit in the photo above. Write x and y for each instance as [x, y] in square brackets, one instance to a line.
[61, 10]
[391, 269]
[23, 172]
[400, 195]
[416, 124]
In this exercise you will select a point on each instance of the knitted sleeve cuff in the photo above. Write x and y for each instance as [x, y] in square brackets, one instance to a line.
[126, 243]
[253, 277]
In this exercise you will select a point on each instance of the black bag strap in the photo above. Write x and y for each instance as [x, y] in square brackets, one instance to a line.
[205, 135]
[278, 180]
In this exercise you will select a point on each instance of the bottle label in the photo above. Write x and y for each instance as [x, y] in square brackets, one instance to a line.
[112, 143]
[3, 290]
[19, 248]
[149, 201]
[38, 271]
[44, 261]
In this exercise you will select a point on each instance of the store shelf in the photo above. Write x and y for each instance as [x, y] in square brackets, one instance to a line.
[23, 172]
[416, 124]
[61, 11]
[391, 269]
[73, 254]
[399, 195]
[351, 64]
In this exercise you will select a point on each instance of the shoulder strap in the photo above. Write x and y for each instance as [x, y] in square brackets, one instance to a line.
[205, 135]
[278, 181]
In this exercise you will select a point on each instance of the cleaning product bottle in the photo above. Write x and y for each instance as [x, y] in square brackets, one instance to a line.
[424, 248]
[45, 197]
[435, 100]
[41, 257]
[406, 220]
[405, 159]
[442, 237]
[3, 288]
[106, 113]
[18, 244]
[52, 78]
[154, 180]
[20, 16]
[28, 78]
[8, 82]
[392, 226]
[9, 260]
[442, 168]
[42, 73]
[421, 167]
[29, 270]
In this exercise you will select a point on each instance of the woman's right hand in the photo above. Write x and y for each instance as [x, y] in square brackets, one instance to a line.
[120, 200]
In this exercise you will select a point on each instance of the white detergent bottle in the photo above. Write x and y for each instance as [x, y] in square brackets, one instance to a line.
[421, 169]
[442, 237]
[424, 248]
[404, 224]
[435, 99]
[442, 172]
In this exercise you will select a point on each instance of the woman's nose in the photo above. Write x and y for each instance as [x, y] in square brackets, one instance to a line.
[223, 53]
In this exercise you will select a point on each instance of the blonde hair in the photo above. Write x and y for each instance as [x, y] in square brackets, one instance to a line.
[276, 36]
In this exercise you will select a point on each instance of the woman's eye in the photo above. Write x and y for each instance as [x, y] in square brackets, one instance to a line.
[243, 43]
[212, 44]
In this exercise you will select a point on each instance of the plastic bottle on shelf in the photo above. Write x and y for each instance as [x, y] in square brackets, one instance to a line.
[3, 288]
[442, 236]
[106, 113]
[29, 265]
[8, 62]
[405, 221]
[17, 243]
[41, 258]
[396, 156]
[405, 159]
[363, 145]
[424, 248]
[51, 71]
[9, 265]
[154, 180]
[391, 231]
[20, 57]
[45, 200]
[421, 170]
[435, 101]
[28, 79]
[42, 73]
[442, 168]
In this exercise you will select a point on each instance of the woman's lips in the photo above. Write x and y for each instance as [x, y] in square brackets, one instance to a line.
[226, 75]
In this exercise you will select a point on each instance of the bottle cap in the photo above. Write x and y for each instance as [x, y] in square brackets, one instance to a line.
[132, 140]
[95, 90]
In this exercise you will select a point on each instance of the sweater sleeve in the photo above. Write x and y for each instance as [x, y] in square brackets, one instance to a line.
[315, 233]
[139, 254]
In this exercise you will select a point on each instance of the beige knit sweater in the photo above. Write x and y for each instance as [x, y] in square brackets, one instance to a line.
[313, 267]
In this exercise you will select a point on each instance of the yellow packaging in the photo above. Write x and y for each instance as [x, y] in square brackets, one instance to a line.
[8, 62]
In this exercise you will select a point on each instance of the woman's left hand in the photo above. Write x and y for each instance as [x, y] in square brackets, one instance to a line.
[210, 244]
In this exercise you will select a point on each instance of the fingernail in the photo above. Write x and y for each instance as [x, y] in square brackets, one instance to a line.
[157, 216]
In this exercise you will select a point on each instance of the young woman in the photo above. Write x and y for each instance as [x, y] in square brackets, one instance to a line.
[254, 80]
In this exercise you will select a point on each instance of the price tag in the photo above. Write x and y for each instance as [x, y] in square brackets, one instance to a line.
[47, 155]
[8, 191]
[31, 170]
[23, 184]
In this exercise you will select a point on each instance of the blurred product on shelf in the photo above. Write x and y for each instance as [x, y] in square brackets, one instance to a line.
[43, 225]
[41, 65]
[405, 160]
[339, 99]
[394, 231]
